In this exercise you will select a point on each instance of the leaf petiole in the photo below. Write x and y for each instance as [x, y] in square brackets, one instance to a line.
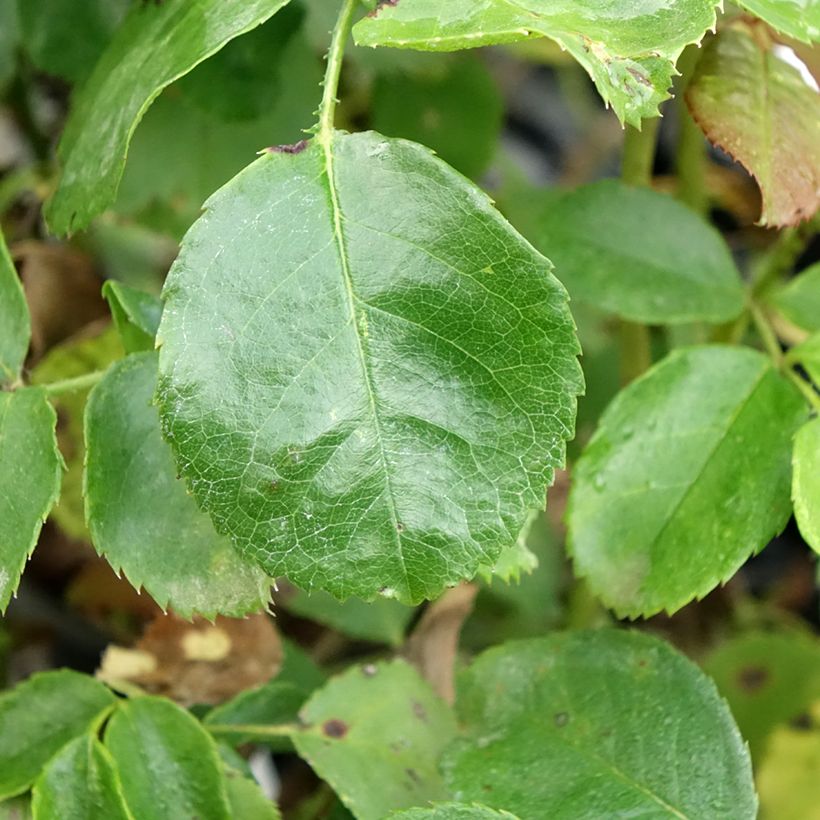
[341, 32]
[73, 385]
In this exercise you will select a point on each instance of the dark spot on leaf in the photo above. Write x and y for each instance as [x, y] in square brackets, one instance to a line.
[399, 526]
[334, 728]
[413, 775]
[293, 148]
[752, 678]
[642, 663]
[561, 719]
[487, 787]
[802, 722]
[419, 711]
[273, 486]
[381, 5]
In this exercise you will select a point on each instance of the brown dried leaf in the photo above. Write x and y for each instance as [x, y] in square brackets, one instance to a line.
[760, 111]
[199, 662]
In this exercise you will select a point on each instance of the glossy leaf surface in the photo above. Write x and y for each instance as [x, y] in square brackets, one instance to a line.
[38, 717]
[639, 254]
[168, 764]
[140, 517]
[30, 473]
[79, 783]
[597, 724]
[377, 724]
[760, 111]
[368, 377]
[629, 49]
[15, 324]
[136, 315]
[797, 18]
[806, 483]
[687, 476]
[157, 43]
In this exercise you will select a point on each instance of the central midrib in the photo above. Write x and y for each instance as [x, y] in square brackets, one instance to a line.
[326, 141]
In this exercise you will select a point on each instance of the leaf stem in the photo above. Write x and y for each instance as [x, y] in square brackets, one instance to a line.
[275, 730]
[691, 158]
[327, 108]
[75, 384]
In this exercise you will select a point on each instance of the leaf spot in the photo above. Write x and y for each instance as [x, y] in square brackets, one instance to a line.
[335, 728]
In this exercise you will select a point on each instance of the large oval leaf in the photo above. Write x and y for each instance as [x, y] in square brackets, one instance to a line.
[759, 109]
[168, 764]
[687, 476]
[587, 725]
[140, 517]
[629, 49]
[639, 254]
[30, 473]
[368, 377]
[157, 43]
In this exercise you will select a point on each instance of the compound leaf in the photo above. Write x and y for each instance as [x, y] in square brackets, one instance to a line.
[38, 717]
[806, 483]
[139, 514]
[368, 377]
[797, 18]
[375, 734]
[687, 476]
[15, 323]
[759, 109]
[168, 764]
[597, 724]
[156, 44]
[30, 473]
[628, 48]
[639, 254]
[79, 783]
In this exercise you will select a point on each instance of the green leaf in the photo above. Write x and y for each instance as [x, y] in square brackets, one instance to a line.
[157, 43]
[687, 476]
[597, 724]
[799, 301]
[379, 409]
[375, 734]
[167, 762]
[629, 49]
[768, 678]
[80, 783]
[65, 38]
[457, 112]
[806, 483]
[30, 473]
[808, 355]
[759, 110]
[38, 717]
[797, 18]
[380, 621]
[517, 559]
[246, 800]
[140, 517]
[75, 357]
[9, 36]
[15, 324]
[136, 315]
[453, 811]
[639, 254]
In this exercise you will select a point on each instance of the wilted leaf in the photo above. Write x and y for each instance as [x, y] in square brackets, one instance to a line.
[337, 426]
[629, 49]
[760, 110]
[375, 734]
[597, 724]
[140, 517]
[687, 476]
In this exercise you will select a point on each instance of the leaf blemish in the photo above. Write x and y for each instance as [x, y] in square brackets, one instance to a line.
[293, 148]
[561, 719]
[419, 711]
[752, 678]
[334, 728]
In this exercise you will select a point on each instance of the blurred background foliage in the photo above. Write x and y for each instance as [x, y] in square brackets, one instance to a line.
[526, 123]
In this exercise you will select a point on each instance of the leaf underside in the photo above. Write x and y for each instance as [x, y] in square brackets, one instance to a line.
[629, 49]
[759, 109]
[367, 376]
[687, 476]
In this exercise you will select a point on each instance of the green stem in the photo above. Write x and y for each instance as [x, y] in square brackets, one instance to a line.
[636, 169]
[327, 108]
[74, 385]
[691, 158]
[280, 730]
